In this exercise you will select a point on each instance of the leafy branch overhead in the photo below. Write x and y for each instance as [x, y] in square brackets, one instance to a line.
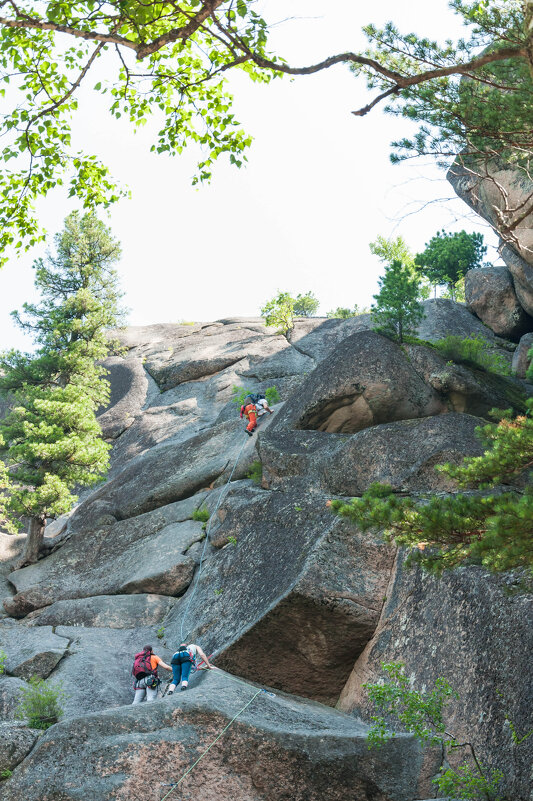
[170, 60]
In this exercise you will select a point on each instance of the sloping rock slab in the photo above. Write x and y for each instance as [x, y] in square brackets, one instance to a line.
[10, 688]
[279, 749]
[16, 741]
[96, 674]
[368, 380]
[445, 317]
[105, 611]
[30, 651]
[169, 473]
[293, 601]
[129, 386]
[403, 454]
[476, 630]
[148, 554]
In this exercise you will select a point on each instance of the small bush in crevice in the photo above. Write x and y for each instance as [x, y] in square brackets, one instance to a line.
[40, 704]
[255, 472]
[202, 514]
[474, 351]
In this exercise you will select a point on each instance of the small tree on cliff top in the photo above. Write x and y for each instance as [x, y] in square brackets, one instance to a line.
[397, 310]
[448, 257]
[51, 437]
[279, 312]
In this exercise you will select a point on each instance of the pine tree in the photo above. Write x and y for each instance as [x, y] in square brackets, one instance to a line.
[397, 311]
[448, 257]
[52, 441]
[491, 525]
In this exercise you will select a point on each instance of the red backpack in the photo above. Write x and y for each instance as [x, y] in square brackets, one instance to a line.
[142, 665]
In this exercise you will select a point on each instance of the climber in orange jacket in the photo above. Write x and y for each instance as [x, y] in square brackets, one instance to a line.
[249, 411]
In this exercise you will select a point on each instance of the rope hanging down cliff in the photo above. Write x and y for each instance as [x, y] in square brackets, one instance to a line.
[206, 540]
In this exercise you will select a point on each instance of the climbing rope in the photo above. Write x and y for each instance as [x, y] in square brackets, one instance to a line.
[234, 718]
[206, 540]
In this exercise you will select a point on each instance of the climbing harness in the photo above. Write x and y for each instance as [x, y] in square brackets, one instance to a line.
[206, 540]
[234, 718]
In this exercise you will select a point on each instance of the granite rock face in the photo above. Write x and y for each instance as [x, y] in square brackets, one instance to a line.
[281, 591]
[476, 630]
[279, 749]
[521, 358]
[30, 652]
[16, 741]
[491, 295]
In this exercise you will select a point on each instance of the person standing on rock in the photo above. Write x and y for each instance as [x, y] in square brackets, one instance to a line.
[249, 410]
[144, 672]
[182, 662]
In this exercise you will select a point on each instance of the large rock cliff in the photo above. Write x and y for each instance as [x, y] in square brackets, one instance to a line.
[288, 597]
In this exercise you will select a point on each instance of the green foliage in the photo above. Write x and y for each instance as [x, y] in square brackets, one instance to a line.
[485, 116]
[160, 633]
[218, 592]
[343, 313]
[389, 250]
[448, 257]
[232, 540]
[483, 527]
[51, 437]
[529, 372]
[421, 713]
[183, 54]
[397, 310]
[417, 712]
[271, 394]
[305, 305]
[279, 312]
[40, 704]
[473, 351]
[3, 657]
[255, 472]
[202, 514]
[5, 774]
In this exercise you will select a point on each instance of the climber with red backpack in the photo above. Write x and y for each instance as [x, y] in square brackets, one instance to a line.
[185, 658]
[144, 671]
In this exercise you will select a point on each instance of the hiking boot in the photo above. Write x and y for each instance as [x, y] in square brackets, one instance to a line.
[183, 687]
[170, 692]
[250, 433]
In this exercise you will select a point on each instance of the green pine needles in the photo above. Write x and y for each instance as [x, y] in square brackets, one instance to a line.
[489, 525]
[397, 311]
[51, 439]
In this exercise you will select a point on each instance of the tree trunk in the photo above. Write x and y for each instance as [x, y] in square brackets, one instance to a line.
[34, 541]
[528, 29]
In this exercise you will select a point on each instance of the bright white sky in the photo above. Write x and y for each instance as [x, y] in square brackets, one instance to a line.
[317, 189]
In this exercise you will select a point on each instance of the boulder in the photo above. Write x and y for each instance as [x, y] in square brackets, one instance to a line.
[105, 611]
[445, 318]
[521, 268]
[490, 294]
[501, 192]
[309, 602]
[149, 554]
[521, 359]
[367, 381]
[278, 749]
[403, 454]
[31, 651]
[10, 688]
[475, 630]
[467, 388]
[16, 741]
